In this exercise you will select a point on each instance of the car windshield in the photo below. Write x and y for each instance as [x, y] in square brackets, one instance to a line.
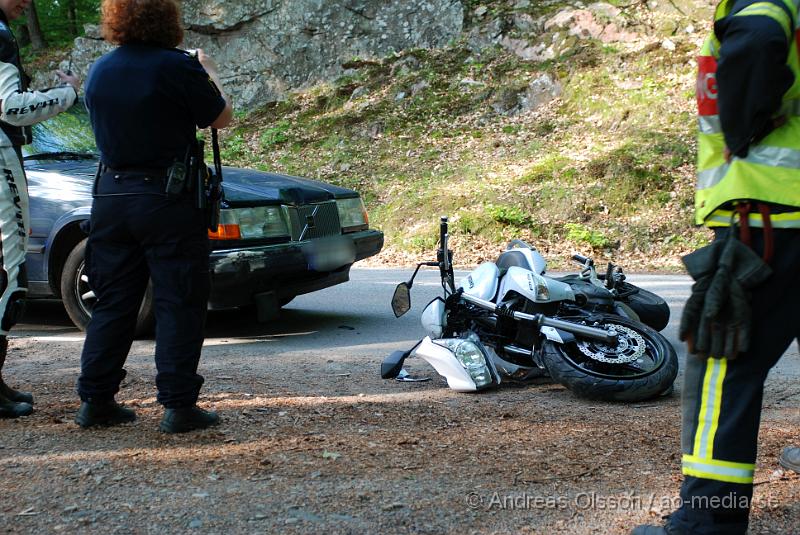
[66, 134]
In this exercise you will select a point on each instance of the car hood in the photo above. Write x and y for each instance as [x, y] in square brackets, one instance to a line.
[243, 187]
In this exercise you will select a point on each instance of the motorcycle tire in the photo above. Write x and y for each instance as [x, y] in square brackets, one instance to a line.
[651, 309]
[588, 369]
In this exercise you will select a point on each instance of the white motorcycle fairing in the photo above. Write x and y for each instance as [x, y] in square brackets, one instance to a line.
[448, 366]
[482, 281]
[534, 287]
[434, 318]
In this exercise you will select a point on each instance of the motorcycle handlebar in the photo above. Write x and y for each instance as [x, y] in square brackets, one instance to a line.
[583, 260]
[444, 257]
[542, 320]
[443, 240]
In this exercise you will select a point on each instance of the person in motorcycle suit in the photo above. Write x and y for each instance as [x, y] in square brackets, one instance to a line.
[748, 183]
[145, 100]
[19, 109]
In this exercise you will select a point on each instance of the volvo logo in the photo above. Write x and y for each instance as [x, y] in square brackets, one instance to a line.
[310, 223]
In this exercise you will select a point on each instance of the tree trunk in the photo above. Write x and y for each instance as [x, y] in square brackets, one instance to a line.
[34, 28]
[72, 18]
[23, 36]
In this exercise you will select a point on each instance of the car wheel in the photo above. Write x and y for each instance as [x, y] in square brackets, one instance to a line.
[79, 299]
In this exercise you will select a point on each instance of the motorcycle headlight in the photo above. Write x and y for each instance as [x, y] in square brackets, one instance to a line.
[352, 214]
[471, 357]
[251, 223]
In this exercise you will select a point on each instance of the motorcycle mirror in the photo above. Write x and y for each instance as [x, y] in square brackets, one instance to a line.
[401, 300]
[393, 364]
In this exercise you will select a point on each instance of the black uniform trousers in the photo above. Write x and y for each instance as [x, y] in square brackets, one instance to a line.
[138, 233]
[722, 401]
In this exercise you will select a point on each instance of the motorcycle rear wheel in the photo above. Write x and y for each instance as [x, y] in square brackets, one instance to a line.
[651, 308]
[647, 364]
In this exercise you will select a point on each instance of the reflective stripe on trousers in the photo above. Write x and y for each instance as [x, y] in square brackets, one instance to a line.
[701, 462]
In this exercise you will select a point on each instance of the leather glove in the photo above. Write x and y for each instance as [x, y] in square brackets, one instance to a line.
[716, 321]
[724, 329]
[692, 312]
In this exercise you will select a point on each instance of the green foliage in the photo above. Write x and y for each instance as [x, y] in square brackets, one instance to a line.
[58, 26]
[508, 215]
[580, 234]
[275, 135]
[422, 243]
[233, 147]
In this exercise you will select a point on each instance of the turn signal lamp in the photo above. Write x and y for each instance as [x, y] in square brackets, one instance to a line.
[250, 223]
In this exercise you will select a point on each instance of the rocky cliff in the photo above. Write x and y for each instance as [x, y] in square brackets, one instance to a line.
[266, 47]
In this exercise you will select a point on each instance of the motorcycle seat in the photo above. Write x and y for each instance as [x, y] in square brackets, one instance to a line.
[511, 258]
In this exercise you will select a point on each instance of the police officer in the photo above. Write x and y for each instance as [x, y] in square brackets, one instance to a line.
[19, 109]
[145, 99]
[748, 175]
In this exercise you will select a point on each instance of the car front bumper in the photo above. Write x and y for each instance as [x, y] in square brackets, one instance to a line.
[285, 270]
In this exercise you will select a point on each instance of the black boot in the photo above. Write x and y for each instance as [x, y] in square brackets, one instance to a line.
[6, 391]
[12, 409]
[187, 419]
[650, 529]
[104, 413]
[790, 458]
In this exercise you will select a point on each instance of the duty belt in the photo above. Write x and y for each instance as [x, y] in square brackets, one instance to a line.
[155, 175]
[144, 172]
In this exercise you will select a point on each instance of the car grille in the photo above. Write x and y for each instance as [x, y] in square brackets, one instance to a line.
[322, 219]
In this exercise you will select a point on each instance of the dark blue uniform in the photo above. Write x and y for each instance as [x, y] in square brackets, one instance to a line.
[145, 104]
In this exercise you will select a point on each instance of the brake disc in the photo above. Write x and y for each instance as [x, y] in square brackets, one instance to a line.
[630, 347]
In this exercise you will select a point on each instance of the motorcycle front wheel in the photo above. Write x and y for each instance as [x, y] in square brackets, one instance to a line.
[642, 365]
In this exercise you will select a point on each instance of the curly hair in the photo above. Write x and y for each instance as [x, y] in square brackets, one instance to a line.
[154, 22]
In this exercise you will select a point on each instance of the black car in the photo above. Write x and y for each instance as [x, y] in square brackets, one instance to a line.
[279, 236]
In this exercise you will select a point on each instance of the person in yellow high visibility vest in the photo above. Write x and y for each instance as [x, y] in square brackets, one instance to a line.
[748, 183]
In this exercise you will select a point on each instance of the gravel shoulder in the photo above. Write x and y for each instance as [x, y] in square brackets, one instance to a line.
[313, 440]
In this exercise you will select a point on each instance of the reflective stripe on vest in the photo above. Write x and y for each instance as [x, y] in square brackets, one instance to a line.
[722, 218]
[771, 170]
[759, 154]
[769, 10]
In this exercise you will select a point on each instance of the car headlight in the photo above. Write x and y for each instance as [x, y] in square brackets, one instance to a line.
[352, 213]
[251, 223]
[470, 356]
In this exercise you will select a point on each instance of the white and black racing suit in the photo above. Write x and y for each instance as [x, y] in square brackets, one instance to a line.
[19, 109]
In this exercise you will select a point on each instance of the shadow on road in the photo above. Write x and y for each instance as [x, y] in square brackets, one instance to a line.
[328, 328]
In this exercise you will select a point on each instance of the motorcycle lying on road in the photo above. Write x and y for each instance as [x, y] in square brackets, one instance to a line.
[507, 321]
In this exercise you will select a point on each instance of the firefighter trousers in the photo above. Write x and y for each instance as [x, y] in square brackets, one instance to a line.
[722, 400]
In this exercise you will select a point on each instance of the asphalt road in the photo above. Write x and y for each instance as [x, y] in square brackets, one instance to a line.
[350, 318]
